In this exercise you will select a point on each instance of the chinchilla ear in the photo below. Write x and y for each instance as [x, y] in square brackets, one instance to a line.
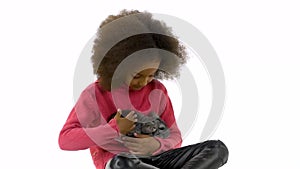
[153, 115]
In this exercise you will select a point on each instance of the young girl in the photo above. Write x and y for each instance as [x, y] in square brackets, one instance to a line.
[131, 51]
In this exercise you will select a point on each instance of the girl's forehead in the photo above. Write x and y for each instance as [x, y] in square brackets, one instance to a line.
[146, 72]
[147, 67]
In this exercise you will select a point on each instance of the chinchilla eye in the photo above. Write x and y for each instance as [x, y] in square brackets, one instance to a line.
[161, 127]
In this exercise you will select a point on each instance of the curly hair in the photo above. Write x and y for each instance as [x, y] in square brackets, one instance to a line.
[131, 31]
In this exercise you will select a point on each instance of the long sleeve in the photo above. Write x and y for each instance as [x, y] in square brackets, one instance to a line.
[72, 136]
[86, 126]
[167, 115]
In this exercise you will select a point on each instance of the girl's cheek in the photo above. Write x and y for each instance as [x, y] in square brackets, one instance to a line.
[132, 82]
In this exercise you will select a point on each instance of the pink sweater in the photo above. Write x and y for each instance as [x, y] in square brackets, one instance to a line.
[88, 127]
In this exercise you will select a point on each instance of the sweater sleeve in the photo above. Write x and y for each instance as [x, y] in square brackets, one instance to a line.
[174, 140]
[85, 127]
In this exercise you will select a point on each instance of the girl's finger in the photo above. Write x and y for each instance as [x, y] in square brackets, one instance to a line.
[132, 116]
[132, 146]
[135, 152]
[131, 140]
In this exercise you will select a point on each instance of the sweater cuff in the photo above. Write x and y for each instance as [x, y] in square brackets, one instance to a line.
[113, 124]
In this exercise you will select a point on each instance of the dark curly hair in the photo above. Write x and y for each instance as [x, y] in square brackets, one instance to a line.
[131, 31]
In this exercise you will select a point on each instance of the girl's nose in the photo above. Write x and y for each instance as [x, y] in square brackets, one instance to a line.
[143, 82]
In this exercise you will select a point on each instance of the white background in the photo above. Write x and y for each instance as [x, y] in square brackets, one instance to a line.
[257, 43]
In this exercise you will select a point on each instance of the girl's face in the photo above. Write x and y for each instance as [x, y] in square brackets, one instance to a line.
[142, 77]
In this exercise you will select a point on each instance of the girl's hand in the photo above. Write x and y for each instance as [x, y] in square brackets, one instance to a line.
[125, 124]
[141, 146]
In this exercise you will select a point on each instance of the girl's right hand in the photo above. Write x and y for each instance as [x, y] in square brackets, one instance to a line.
[125, 124]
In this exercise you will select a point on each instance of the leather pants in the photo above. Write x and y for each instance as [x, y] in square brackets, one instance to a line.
[210, 154]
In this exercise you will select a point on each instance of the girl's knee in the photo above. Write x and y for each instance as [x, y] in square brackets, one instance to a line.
[220, 149]
[216, 147]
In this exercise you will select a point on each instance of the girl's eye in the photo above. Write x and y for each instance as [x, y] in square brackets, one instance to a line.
[139, 76]
[136, 77]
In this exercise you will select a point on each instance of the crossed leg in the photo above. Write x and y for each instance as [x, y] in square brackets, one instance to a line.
[210, 154]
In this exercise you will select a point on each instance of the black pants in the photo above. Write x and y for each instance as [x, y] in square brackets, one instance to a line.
[210, 154]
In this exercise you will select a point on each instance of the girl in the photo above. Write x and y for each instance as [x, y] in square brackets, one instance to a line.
[131, 51]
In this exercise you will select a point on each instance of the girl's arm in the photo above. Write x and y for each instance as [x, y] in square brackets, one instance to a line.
[174, 140]
[85, 127]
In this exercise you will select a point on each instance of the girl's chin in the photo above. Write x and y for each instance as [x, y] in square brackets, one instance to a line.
[136, 87]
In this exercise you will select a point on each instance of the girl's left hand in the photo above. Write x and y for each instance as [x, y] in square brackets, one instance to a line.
[141, 146]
